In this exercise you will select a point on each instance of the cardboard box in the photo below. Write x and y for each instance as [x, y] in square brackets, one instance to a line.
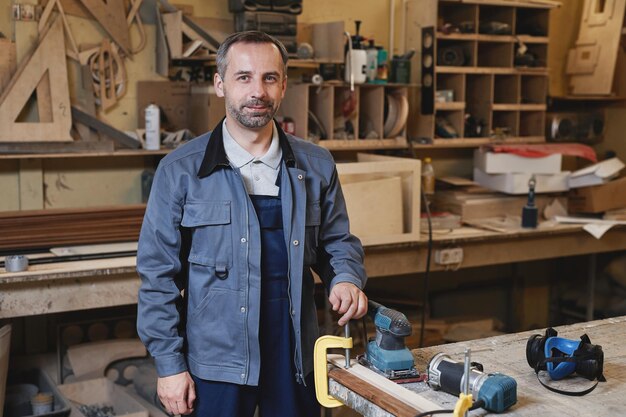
[599, 198]
[101, 391]
[505, 163]
[596, 174]
[517, 183]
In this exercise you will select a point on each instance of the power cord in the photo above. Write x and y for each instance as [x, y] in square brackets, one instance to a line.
[428, 255]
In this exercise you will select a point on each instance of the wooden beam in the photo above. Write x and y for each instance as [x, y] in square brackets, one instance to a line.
[117, 135]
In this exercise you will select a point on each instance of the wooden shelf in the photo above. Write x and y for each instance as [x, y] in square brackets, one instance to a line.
[491, 70]
[491, 38]
[362, 144]
[452, 105]
[126, 152]
[520, 107]
[476, 142]
[293, 63]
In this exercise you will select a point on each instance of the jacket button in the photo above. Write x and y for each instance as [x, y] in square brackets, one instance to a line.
[296, 242]
[243, 240]
[293, 312]
[243, 309]
[300, 176]
[243, 376]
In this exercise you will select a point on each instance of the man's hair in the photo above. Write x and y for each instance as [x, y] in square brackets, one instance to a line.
[251, 36]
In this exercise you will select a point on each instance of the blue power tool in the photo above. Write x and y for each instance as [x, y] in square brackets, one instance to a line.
[497, 392]
[387, 354]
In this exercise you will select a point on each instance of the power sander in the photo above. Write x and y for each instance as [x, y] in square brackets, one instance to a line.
[387, 354]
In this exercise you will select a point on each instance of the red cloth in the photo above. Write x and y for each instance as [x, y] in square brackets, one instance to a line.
[541, 150]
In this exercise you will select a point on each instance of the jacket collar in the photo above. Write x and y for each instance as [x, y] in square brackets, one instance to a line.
[215, 155]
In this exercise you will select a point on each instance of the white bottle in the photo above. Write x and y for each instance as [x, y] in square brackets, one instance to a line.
[428, 177]
[153, 128]
[356, 64]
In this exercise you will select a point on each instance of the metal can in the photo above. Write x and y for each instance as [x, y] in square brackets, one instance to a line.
[153, 128]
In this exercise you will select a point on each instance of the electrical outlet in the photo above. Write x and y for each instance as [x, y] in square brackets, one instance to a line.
[450, 256]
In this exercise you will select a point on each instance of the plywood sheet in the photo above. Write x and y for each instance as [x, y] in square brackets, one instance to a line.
[46, 62]
[374, 207]
[592, 62]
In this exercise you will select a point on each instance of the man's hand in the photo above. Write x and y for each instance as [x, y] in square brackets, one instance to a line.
[177, 393]
[347, 299]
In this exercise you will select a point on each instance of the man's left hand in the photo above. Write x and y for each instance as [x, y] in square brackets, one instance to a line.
[347, 299]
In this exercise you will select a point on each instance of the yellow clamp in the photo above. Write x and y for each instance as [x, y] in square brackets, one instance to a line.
[463, 404]
[321, 369]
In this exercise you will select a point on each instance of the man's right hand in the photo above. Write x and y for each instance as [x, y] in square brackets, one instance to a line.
[177, 393]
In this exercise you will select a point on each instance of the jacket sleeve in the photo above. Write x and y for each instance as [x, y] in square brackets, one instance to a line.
[340, 254]
[158, 265]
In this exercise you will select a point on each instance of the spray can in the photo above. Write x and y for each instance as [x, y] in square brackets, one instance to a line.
[153, 128]
[372, 61]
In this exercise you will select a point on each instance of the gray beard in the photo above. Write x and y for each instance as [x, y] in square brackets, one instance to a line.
[254, 120]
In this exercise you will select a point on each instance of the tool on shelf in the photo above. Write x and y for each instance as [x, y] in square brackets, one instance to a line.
[530, 211]
[387, 354]
[494, 392]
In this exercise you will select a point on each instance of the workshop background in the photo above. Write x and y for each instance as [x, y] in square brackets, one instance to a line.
[78, 149]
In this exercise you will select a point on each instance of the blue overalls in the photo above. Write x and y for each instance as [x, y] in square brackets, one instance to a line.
[278, 393]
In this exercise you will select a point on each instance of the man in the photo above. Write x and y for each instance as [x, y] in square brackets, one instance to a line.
[237, 218]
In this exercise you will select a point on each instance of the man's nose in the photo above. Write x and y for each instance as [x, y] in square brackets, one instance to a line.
[258, 89]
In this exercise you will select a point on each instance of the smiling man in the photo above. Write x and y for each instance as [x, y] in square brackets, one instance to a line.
[238, 218]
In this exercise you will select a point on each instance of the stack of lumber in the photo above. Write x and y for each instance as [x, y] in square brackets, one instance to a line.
[47, 228]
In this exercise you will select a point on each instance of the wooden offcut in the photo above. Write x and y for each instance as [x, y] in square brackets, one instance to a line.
[46, 62]
[591, 63]
[5, 345]
[112, 16]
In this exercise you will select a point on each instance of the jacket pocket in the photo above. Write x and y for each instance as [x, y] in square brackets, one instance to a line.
[215, 330]
[311, 232]
[211, 231]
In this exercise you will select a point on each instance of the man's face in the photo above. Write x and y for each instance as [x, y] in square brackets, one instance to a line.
[253, 85]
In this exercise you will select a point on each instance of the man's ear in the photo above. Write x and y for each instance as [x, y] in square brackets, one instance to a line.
[218, 83]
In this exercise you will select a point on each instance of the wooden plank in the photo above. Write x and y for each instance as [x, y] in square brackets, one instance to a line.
[48, 60]
[385, 389]
[592, 61]
[112, 16]
[117, 135]
[5, 349]
[8, 62]
[172, 23]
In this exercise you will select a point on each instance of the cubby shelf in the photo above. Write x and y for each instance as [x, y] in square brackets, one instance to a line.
[482, 87]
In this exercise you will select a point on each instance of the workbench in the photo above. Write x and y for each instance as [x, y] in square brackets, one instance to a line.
[78, 285]
[507, 354]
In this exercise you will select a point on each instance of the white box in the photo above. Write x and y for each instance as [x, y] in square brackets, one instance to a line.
[596, 174]
[505, 163]
[517, 183]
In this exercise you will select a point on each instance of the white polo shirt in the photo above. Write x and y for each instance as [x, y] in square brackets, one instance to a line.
[259, 173]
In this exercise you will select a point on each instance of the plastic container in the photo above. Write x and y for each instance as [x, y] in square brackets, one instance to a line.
[153, 128]
[428, 177]
[23, 386]
[372, 61]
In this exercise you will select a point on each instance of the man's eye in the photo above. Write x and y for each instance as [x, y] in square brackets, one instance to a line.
[271, 78]
[243, 78]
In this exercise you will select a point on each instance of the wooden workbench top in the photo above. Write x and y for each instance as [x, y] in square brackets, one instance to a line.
[507, 354]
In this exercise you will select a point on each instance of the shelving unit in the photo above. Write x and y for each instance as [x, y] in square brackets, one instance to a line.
[474, 50]
[334, 106]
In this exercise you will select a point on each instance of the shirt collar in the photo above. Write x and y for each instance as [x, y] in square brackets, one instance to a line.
[215, 155]
[240, 156]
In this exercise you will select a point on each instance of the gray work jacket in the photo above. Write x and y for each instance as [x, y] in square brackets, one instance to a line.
[200, 234]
